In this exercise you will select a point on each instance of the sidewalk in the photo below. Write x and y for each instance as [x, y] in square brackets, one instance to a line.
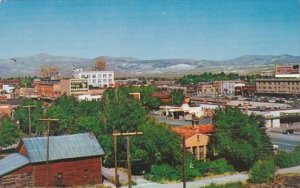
[238, 177]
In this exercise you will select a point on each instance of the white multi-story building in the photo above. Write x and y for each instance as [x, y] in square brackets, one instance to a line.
[96, 78]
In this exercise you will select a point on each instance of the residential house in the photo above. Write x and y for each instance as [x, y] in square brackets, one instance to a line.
[196, 139]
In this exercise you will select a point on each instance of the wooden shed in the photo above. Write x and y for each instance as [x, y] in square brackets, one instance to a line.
[74, 160]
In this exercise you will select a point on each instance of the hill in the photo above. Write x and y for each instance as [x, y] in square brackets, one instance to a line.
[126, 66]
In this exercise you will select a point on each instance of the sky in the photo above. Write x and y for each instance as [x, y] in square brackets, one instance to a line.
[150, 29]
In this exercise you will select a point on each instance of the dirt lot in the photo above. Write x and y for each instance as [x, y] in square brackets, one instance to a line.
[282, 181]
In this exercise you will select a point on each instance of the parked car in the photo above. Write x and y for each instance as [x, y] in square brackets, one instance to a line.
[288, 131]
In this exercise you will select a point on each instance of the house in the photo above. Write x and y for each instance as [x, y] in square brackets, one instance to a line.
[74, 160]
[196, 139]
[5, 110]
[163, 97]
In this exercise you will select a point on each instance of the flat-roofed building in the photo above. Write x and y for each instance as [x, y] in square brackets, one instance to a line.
[96, 78]
[278, 86]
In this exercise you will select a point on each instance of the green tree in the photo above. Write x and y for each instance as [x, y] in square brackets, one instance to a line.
[239, 138]
[9, 133]
[177, 97]
[65, 109]
[22, 115]
[121, 112]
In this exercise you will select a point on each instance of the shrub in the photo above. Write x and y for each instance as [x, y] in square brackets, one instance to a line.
[228, 185]
[285, 159]
[262, 171]
[220, 166]
[163, 172]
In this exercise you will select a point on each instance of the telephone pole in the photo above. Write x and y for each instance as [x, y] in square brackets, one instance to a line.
[29, 117]
[116, 161]
[183, 162]
[48, 143]
[127, 134]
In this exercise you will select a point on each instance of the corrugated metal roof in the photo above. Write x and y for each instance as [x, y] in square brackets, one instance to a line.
[12, 162]
[62, 147]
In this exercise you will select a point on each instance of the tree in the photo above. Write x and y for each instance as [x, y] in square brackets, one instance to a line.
[65, 109]
[21, 115]
[9, 133]
[239, 138]
[177, 97]
[121, 112]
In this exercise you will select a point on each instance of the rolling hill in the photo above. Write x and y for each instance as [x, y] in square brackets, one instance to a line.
[128, 66]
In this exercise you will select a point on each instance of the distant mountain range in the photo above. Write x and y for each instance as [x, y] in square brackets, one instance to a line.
[128, 66]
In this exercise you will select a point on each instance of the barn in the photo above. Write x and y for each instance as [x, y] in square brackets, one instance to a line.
[74, 160]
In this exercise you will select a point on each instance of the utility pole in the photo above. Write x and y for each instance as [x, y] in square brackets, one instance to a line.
[183, 162]
[116, 160]
[29, 117]
[127, 134]
[48, 143]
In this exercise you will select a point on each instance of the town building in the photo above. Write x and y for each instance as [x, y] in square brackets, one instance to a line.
[163, 97]
[5, 110]
[196, 139]
[48, 91]
[28, 92]
[101, 79]
[74, 160]
[278, 86]
[288, 71]
[74, 86]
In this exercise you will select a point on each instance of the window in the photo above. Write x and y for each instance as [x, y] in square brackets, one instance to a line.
[110, 76]
[110, 80]
[94, 76]
[194, 152]
[104, 75]
[201, 152]
[86, 172]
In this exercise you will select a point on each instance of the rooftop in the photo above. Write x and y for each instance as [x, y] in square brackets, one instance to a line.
[62, 147]
[12, 162]
[189, 131]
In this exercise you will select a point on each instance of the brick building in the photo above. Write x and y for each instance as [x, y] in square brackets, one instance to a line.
[49, 91]
[5, 110]
[74, 160]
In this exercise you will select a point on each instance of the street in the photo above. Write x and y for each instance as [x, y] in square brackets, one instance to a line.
[284, 141]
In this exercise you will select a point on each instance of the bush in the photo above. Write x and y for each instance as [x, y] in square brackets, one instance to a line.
[163, 172]
[285, 159]
[219, 166]
[262, 171]
[228, 185]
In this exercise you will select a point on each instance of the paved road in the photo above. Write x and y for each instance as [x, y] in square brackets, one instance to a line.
[195, 184]
[239, 177]
[285, 142]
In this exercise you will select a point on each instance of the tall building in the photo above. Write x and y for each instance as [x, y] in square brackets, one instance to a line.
[278, 86]
[96, 78]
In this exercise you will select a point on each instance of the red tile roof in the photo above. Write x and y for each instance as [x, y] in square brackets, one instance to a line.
[189, 130]
[161, 95]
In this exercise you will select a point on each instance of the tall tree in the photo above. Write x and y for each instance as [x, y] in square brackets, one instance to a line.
[9, 133]
[22, 115]
[239, 138]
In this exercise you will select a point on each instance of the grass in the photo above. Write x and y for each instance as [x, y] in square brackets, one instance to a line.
[228, 185]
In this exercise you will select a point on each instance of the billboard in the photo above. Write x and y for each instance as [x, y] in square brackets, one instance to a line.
[291, 69]
[79, 85]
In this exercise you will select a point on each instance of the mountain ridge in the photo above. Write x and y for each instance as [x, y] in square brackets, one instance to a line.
[30, 65]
